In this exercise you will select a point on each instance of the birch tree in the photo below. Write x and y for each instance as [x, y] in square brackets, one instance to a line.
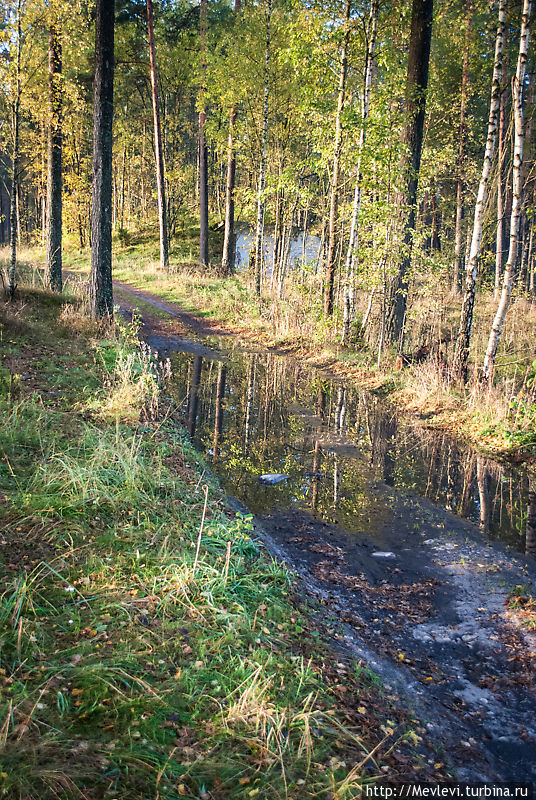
[517, 193]
[229, 239]
[463, 341]
[353, 244]
[259, 230]
[101, 289]
[501, 175]
[462, 143]
[329, 271]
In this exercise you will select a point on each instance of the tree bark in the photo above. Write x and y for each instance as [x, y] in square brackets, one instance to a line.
[229, 238]
[329, 272]
[483, 483]
[463, 341]
[43, 186]
[412, 136]
[53, 268]
[259, 234]
[517, 193]
[15, 119]
[501, 177]
[158, 148]
[462, 143]
[203, 153]
[353, 244]
[101, 290]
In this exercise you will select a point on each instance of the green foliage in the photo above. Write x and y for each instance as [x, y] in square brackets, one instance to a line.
[128, 665]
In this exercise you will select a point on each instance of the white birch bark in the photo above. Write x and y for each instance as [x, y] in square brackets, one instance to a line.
[349, 289]
[461, 355]
[329, 270]
[517, 194]
[262, 168]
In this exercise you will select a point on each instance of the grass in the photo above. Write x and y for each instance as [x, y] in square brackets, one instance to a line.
[498, 420]
[149, 648]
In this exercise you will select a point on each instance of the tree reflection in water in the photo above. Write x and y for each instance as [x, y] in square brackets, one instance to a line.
[261, 413]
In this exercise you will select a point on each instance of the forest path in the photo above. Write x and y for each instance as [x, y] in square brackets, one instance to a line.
[430, 620]
[131, 297]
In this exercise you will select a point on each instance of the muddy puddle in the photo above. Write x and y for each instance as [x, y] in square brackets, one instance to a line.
[410, 542]
[253, 414]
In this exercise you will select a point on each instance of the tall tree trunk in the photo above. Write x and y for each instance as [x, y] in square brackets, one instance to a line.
[259, 233]
[53, 276]
[329, 272]
[15, 119]
[101, 290]
[483, 483]
[517, 193]
[435, 235]
[501, 174]
[43, 187]
[353, 244]
[158, 148]
[203, 153]
[463, 341]
[415, 103]
[142, 170]
[121, 202]
[229, 238]
[462, 143]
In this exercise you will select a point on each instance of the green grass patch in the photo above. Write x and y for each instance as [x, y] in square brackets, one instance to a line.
[148, 647]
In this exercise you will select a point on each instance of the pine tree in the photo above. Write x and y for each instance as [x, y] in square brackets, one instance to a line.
[101, 289]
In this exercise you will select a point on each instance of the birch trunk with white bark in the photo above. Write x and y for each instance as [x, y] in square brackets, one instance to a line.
[517, 194]
[353, 244]
[463, 341]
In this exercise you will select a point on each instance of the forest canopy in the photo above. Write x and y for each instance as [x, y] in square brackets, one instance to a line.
[398, 135]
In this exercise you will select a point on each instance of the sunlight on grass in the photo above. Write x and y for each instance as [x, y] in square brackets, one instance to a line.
[128, 664]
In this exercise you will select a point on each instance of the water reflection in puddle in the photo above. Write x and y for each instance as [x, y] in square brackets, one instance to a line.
[255, 414]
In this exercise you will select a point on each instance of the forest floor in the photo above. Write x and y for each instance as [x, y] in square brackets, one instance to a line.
[150, 647]
[499, 422]
[433, 622]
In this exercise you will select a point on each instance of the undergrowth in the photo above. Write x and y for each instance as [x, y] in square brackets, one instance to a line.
[148, 647]
[500, 419]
